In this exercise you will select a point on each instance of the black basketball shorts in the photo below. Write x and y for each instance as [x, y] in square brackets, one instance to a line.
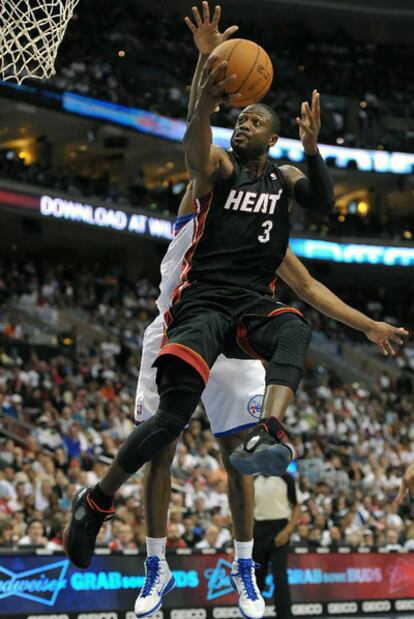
[209, 320]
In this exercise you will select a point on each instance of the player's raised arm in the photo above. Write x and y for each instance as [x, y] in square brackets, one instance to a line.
[309, 289]
[205, 162]
[315, 192]
[206, 37]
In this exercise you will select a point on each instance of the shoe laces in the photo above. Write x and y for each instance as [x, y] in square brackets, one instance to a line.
[152, 569]
[246, 569]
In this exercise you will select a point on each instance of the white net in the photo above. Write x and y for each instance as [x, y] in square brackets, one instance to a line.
[30, 34]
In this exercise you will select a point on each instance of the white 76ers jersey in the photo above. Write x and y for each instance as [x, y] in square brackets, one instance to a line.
[234, 393]
[171, 265]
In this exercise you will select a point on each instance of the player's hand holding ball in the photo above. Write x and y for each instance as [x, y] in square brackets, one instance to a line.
[310, 124]
[211, 90]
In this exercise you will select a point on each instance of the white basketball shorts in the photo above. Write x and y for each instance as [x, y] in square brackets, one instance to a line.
[232, 398]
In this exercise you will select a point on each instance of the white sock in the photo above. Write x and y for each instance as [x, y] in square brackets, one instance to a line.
[156, 547]
[243, 550]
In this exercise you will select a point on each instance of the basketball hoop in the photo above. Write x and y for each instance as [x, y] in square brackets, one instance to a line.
[30, 34]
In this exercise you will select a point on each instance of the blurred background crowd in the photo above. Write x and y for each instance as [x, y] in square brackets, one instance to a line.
[146, 60]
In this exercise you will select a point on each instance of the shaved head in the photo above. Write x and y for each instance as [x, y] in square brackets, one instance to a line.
[267, 111]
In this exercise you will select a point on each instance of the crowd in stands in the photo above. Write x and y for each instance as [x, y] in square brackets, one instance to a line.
[353, 444]
[68, 411]
[366, 96]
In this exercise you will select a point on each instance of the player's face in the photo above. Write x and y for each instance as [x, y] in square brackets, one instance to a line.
[253, 133]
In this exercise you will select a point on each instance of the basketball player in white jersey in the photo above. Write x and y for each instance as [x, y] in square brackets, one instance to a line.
[232, 406]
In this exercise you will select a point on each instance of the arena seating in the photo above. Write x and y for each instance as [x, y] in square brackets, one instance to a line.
[63, 416]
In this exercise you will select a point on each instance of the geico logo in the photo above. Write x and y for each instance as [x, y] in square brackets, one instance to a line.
[189, 613]
[226, 612]
[269, 611]
[336, 608]
[404, 605]
[376, 606]
[98, 616]
[48, 617]
[307, 609]
[158, 615]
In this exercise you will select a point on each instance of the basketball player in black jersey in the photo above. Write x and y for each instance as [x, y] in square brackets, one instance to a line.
[224, 303]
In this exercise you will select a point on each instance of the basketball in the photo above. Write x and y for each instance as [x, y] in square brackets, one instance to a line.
[252, 66]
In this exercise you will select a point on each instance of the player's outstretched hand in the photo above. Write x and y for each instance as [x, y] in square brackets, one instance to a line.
[205, 32]
[407, 485]
[382, 334]
[211, 88]
[310, 124]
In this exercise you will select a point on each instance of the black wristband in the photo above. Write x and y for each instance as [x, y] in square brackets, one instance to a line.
[315, 192]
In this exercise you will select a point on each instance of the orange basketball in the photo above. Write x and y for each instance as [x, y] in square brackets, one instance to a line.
[252, 66]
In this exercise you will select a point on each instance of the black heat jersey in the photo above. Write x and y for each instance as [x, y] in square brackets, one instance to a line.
[241, 232]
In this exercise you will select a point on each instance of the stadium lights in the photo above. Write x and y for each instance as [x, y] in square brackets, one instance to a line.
[150, 123]
[172, 129]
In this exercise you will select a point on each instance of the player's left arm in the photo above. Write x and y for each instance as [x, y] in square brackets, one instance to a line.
[313, 292]
[316, 191]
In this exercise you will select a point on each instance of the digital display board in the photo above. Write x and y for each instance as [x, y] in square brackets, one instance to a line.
[353, 253]
[122, 220]
[96, 216]
[39, 586]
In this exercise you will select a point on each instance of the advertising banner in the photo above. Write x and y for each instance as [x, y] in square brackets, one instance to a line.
[56, 208]
[99, 217]
[352, 583]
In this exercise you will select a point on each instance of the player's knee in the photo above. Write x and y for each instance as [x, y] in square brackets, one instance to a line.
[171, 421]
[175, 410]
[293, 343]
[288, 360]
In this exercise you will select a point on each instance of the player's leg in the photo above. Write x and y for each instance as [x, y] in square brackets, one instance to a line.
[233, 400]
[241, 500]
[283, 340]
[180, 390]
[157, 489]
[194, 342]
[157, 480]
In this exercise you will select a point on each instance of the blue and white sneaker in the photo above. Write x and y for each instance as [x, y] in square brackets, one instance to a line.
[158, 581]
[243, 579]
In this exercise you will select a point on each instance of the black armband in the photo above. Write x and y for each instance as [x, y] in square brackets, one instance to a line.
[315, 192]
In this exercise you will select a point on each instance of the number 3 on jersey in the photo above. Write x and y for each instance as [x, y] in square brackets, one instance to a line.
[267, 226]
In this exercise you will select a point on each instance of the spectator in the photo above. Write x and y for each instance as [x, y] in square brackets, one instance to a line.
[174, 539]
[35, 535]
[211, 538]
[124, 539]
